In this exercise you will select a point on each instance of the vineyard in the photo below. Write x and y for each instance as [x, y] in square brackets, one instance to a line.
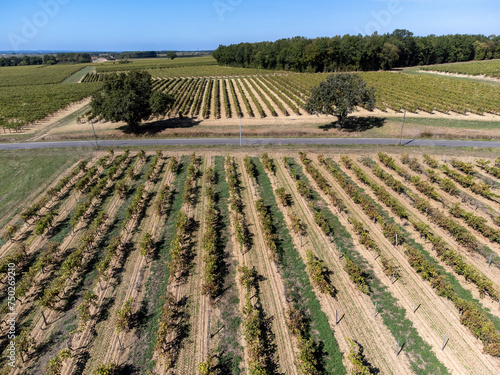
[205, 263]
[281, 95]
[206, 91]
[475, 68]
[208, 95]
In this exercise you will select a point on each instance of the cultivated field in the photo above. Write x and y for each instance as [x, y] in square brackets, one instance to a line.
[215, 92]
[489, 68]
[269, 263]
[268, 102]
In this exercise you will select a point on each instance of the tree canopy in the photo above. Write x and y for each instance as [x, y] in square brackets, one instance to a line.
[171, 55]
[339, 95]
[129, 97]
[356, 52]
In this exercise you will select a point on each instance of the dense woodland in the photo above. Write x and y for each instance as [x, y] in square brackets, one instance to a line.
[70, 57]
[355, 52]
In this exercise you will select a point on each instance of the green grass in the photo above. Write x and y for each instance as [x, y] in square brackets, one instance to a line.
[78, 75]
[294, 274]
[450, 123]
[422, 358]
[488, 67]
[26, 173]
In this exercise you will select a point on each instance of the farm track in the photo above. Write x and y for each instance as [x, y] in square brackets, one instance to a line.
[272, 288]
[40, 332]
[105, 340]
[355, 310]
[473, 258]
[435, 316]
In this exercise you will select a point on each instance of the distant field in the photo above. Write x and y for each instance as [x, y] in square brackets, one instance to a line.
[488, 68]
[26, 104]
[36, 74]
[138, 64]
[205, 90]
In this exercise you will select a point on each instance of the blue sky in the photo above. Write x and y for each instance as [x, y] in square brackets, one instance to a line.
[91, 25]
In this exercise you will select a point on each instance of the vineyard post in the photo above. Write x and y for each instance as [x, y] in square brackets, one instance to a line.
[392, 279]
[415, 306]
[375, 310]
[489, 263]
[119, 341]
[396, 239]
[138, 281]
[444, 343]
[44, 319]
[336, 318]
[340, 252]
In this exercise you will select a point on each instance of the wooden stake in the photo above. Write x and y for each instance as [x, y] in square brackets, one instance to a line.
[392, 280]
[119, 342]
[415, 306]
[489, 263]
[375, 310]
[396, 239]
[340, 252]
[444, 343]
[337, 320]
[44, 320]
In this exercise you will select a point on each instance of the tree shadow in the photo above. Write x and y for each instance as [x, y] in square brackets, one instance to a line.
[356, 124]
[155, 127]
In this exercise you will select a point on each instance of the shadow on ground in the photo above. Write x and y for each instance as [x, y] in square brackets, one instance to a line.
[155, 127]
[356, 124]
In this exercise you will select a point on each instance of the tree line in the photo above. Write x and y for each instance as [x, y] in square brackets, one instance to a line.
[70, 57]
[400, 48]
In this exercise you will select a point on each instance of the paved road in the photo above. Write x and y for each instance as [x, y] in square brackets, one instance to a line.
[249, 141]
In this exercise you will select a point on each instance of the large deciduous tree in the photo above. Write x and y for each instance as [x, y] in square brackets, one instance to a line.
[339, 95]
[129, 97]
